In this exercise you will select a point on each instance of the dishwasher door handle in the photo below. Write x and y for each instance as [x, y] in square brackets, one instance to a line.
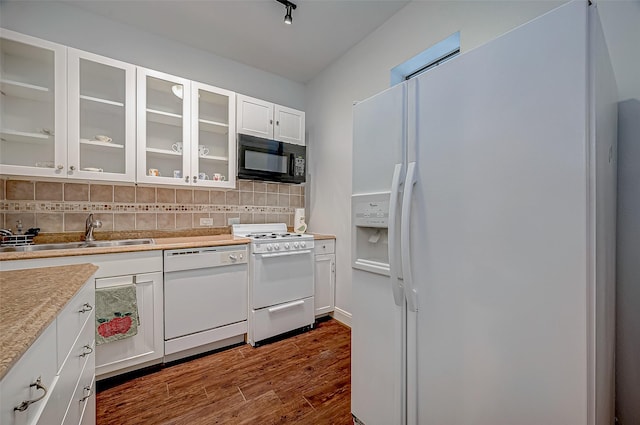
[282, 254]
[286, 306]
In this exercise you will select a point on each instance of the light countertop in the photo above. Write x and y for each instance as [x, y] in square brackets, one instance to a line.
[30, 299]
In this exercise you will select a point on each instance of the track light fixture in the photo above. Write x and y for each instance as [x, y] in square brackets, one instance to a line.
[288, 7]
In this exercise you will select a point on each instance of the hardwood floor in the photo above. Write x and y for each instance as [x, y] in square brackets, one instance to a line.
[304, 379]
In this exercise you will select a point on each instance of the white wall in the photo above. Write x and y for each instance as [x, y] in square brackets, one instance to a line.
[628, 267]
[71, 26]
[364, 71]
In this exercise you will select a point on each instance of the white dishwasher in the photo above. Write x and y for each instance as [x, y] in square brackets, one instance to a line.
[205, 299]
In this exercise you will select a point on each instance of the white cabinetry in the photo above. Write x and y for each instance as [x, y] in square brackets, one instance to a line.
[61, 360]
[55, 101]
[185, 132]
[33, 124]
[325, 276]
[102, 115]
[146, 345]
[270, 121]
[145, 269]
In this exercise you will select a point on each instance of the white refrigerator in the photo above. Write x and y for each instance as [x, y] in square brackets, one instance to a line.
[483, 235]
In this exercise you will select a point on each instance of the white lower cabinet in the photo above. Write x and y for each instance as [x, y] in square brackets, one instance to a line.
[59, 371]
[325, 277]
[145, 270]
[147, 345]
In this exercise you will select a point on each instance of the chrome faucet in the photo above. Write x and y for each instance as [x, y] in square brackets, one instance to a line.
[91, 224]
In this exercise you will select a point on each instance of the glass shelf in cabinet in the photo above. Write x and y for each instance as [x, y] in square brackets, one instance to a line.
[25, 90]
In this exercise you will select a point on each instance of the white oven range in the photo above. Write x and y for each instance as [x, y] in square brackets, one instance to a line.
[281, 280]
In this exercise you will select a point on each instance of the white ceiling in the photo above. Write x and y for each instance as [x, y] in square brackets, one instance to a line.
[253, 32]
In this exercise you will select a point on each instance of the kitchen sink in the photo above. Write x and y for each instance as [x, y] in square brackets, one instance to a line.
[75, 245]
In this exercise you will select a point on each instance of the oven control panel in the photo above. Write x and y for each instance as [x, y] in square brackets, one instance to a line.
[276, 246]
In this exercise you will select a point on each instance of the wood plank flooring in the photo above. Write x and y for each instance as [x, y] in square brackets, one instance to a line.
[304, 379]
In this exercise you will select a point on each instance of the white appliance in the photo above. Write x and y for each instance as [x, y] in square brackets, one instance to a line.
[483, 234]
[281, 280]
[205, 299]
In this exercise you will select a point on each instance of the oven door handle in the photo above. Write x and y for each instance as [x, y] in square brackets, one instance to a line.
[286, 306]
[282, 254]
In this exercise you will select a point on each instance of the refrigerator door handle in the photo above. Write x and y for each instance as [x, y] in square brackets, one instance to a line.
[396, 285]
[405, 231]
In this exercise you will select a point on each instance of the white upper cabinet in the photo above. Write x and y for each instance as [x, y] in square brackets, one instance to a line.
[102, 117]
[33, 124]
[185, 132]
[213, 131]
[289, 125]
[263, 119]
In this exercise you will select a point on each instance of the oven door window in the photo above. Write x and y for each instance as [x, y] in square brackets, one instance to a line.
[262, 161]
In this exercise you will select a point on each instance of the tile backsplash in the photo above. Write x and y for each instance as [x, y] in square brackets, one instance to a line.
[63, 207]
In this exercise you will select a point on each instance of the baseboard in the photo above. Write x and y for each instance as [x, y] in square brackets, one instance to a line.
[342, 316]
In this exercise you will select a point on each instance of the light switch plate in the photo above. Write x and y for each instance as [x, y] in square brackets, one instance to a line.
[206, 221]
[233, 220]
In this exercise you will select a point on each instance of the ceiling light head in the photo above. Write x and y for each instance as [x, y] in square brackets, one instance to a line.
[287, 18]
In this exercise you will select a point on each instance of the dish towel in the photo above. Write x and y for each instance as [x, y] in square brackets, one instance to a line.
[116, 313]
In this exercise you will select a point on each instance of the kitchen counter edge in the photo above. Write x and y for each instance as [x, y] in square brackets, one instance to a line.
[27, 310]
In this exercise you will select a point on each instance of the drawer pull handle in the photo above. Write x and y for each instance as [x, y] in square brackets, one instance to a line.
[86, 353]
[83, 399]
[25, 404]
[85, 307]
[286, 306]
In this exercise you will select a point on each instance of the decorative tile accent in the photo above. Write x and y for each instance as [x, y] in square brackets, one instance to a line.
[124, 207]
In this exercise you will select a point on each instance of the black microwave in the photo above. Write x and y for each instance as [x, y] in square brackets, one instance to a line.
[270, 160]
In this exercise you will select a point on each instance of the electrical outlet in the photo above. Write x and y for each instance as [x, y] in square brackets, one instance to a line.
[206, 221]
[234, 220]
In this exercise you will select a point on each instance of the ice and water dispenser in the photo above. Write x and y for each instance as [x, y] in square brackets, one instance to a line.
[369, 238]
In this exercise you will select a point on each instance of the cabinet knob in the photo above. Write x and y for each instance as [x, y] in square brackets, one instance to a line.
[277, 122]
[72, 168]
[186, 179]
[195, 179]
[270, 121]
[25, 404]
[60, 167]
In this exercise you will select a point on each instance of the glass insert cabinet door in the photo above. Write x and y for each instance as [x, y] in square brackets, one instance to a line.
[101, 117]
[163, 103]
[32, 107]
[213, 153]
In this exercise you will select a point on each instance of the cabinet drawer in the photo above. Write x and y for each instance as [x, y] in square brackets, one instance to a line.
[84, 392]
[272, 321]
[81, 357]
[36, 362]
[72, 319]
[325, 246]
